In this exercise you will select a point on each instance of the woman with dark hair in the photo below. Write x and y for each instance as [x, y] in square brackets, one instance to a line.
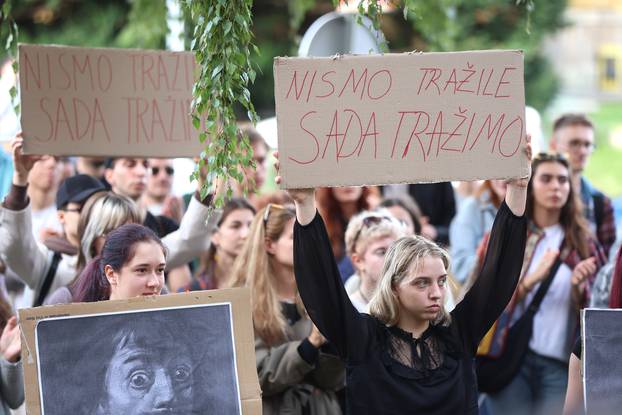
[557, 233]
[216, 264]
[131, 264]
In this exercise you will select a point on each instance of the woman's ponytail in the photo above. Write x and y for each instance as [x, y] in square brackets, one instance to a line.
[92, 284]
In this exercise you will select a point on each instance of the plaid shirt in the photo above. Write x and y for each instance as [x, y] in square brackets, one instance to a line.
[493, 343]
[606, 232]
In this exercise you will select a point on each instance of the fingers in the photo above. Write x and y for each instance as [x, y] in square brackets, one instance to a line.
[583, 270]
[278, 179]
[12, 322]
[10, 328]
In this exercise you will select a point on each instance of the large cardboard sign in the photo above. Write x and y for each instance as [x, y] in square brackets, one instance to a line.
[107, 102]
[177, 354]
[602, 346]
[400, 118]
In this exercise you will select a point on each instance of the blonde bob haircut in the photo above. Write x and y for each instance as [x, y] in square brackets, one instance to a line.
[403, 259]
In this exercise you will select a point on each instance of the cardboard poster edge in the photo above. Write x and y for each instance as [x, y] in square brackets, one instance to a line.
[241, 326]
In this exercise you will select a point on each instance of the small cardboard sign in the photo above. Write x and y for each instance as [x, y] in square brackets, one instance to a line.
[107, 102]
[182, 353]
[601, 349]
[400, 118]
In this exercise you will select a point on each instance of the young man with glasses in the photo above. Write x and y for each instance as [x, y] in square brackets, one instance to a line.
[573, 136]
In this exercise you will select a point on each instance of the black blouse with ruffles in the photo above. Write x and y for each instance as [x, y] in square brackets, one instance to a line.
[388, 371]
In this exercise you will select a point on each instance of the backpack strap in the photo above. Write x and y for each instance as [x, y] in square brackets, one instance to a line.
[49, 278]
[599, 208]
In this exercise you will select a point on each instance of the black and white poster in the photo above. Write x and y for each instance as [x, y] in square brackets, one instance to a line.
[602, 360]
[165, 361]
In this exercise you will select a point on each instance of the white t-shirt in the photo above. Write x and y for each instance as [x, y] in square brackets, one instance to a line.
[45, 218]
[359, 302]
[555, 320]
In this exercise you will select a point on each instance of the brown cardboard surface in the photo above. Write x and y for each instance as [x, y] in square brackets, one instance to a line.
[239, 298]
[400, 118]
[107, 102]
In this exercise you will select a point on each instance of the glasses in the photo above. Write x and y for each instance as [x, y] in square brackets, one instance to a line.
[368, 221]
[168, 169]
[577, 144]
[76, 210]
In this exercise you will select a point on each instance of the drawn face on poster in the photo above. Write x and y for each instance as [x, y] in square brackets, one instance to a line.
[165, 362]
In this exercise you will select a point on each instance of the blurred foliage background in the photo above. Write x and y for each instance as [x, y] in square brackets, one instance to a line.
[434, 25]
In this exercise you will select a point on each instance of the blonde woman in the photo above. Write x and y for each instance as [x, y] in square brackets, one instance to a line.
[296, 375]
[409, 356]
[368, 238]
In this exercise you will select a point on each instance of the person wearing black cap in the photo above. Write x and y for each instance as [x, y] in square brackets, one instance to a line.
[42, 267]
[32, 262]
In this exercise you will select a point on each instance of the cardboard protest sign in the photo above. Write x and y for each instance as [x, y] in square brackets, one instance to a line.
[601, 348]
[107, 102]
[181, 353]
[400, 118]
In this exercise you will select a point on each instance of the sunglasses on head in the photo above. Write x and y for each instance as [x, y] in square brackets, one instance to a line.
[369, 221]
[168, 169]
[266, 214]
[549, 157]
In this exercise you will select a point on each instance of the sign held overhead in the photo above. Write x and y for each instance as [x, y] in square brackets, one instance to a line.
[107, 102]
[400, 118]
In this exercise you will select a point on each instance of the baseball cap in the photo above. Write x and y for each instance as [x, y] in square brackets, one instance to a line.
[77, 189]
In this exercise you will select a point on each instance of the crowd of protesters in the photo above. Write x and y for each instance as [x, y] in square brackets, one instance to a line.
[378, 303]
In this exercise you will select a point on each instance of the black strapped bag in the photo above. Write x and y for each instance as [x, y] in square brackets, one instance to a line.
[495, 373]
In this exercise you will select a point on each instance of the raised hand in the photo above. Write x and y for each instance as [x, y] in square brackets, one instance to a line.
[304, 199]
[298, 195]
[516, 195]
[22, 164]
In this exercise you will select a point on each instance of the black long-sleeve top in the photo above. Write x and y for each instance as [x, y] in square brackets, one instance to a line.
[441, 378]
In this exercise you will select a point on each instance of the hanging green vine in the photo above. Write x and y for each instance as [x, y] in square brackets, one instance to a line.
[8, 35]
[222, 43]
